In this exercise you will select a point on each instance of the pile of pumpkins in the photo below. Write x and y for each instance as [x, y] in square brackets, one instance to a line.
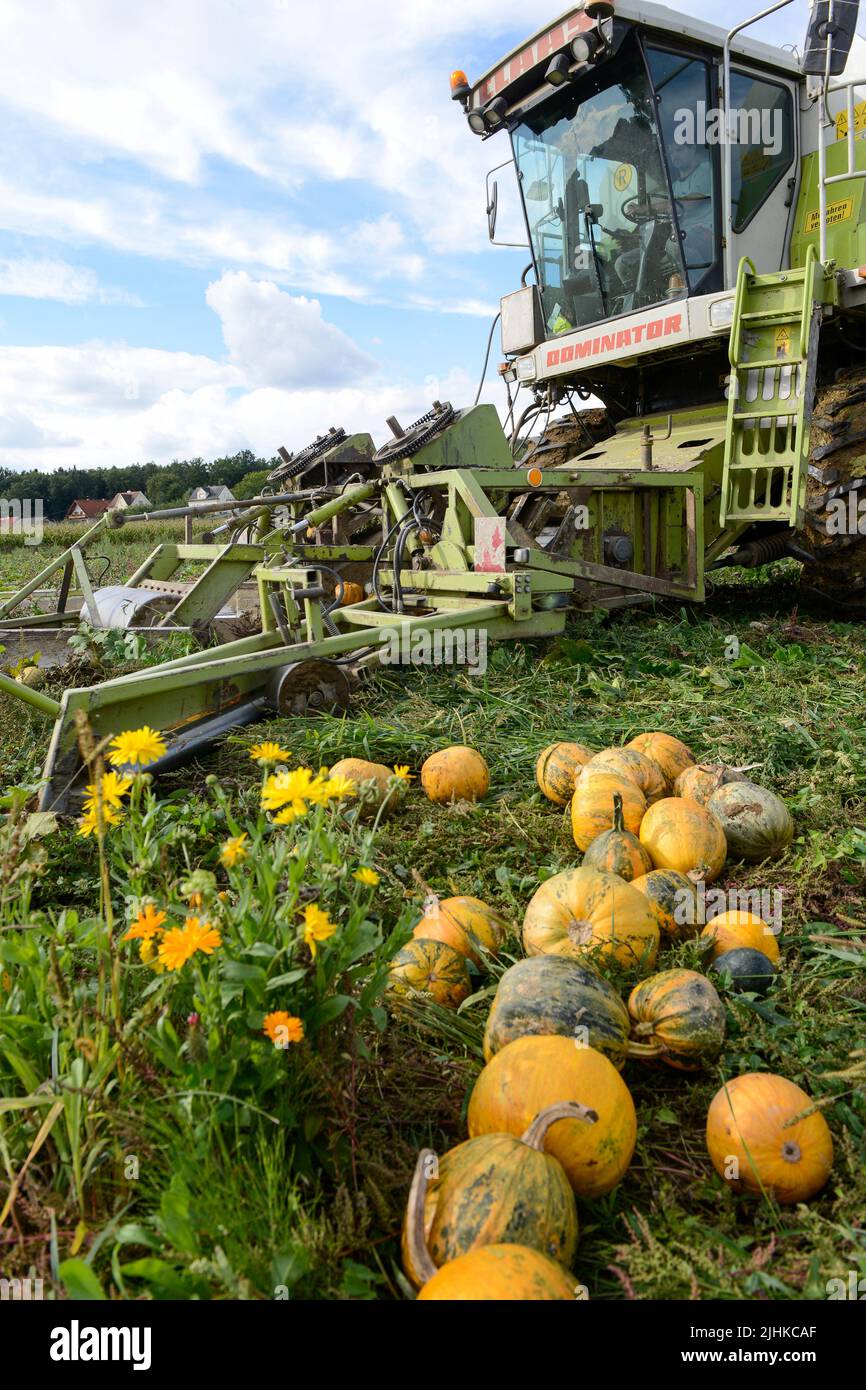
[550, 1117]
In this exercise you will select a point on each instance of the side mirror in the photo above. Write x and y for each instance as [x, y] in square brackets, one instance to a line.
[837, 35]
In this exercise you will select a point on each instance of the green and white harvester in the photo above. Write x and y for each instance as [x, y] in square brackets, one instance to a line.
[685, 368]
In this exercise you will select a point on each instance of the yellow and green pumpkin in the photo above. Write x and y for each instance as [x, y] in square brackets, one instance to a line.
[729, 930]
[682, 835]
[678, 1018]
[672, 756]
[544, 995]
[764, 1136]
[673, 902]
[584, 910]
[592, 805]
[557, 768]
[636, 766]
[617, 851]
[433, 968]
[532, 1073]
[468, 924]
[493, 1190]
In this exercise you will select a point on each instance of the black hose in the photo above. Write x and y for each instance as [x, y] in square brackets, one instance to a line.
[486, 358]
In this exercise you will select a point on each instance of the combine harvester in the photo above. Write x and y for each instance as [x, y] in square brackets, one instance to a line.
[694, 206]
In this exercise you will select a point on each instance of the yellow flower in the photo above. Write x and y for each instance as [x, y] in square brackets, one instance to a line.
[234, 850]
[179, 944]
[367, 876]
[195, 899]
[89, 822]
[317, 926]
[401, 770]
[286, 788]
[340, 786]
[267, 752]
[283, 1028]
[112, 788]
[287, 816]
[147, 924]
[136, 747]
[148, 956]
[319, 792]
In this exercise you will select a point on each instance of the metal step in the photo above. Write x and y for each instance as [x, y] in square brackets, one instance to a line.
[770, 394]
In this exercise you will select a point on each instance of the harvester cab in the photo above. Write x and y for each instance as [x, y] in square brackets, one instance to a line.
[686, 386]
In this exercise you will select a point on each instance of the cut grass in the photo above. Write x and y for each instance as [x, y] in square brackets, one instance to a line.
[791, 699]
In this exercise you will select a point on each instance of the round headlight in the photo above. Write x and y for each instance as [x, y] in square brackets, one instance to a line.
[494, 112]
[476, 122]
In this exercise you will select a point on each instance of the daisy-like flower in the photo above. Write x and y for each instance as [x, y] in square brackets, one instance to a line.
[89, 822]
[317, 926]
[288, 816]
[147, 954]
[136, 747]
[112, 788]
[340, 787]
[147, 924]
[234, 850]
[286, 788]
[268, 752]
[319, 793]
[366, 876]
[401, 770]
[283, 1028]
[181, 943]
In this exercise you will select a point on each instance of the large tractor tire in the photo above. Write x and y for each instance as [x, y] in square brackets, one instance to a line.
[836, 494]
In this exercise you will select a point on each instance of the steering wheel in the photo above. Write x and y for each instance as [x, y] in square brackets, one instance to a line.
[633, 210]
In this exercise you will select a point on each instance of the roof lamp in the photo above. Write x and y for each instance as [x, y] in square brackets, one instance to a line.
[558, 71]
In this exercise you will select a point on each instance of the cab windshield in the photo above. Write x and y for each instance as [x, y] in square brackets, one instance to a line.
[597, 200]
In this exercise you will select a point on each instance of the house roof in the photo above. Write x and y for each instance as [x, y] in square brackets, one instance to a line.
[89, 506]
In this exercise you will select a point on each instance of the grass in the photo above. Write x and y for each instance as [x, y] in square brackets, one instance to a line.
[788, 697]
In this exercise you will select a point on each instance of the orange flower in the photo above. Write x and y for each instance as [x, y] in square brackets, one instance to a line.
[180, 944]
[283, 1028]
[147, 924]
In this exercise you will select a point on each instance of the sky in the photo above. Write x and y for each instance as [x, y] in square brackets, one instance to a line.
[232, 224]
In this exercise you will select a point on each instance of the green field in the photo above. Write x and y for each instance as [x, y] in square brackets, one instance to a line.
[153, 1142]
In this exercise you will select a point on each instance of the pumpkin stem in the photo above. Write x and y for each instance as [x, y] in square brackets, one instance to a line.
[536, 1134]
[645, 1051]
[419, 1254]
[618, 822]
[643, 1028]
[791, 1151]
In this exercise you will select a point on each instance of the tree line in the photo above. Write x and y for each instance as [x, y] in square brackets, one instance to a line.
[165, 485]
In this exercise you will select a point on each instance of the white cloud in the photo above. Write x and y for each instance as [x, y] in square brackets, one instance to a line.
[278, 340]
[32, 278]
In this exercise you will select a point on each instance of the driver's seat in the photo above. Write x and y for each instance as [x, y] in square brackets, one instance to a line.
[652, 236]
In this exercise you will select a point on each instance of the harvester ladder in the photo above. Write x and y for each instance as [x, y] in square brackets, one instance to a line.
[773, 351]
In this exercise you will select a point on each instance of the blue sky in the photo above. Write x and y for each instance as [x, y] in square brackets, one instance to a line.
[228, 225]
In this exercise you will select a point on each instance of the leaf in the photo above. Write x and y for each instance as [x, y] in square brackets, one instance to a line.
[239, 973]
[174, 1218]
[289, 1266]
[39, 824]
[328, 1010]
[666, 1117]
[80, 1282]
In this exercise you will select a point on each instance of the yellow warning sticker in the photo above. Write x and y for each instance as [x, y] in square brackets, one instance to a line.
[836, 212]
[859, 120]
[622, 177]
[783, 342]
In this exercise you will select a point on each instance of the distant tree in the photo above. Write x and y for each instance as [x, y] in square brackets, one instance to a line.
[251, 484]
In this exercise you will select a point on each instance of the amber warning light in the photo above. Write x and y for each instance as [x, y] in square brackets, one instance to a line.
[459, 85]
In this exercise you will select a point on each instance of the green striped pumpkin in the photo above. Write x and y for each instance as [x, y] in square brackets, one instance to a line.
[678, 1018]
[546, 995]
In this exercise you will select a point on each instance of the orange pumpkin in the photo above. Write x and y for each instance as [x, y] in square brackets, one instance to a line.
[352, 593]
[455, 774]
[672, 900]
[699, 782]
[592, 805]
[583, 910]
[373, 783]
[557, 768]
[637, 767]
[682, 835]
[501, 1274]
[729, 930]
[433, 968]
[617, 851]
[467, 924]
[534, 1072]
[672, 756]
[762, 1138]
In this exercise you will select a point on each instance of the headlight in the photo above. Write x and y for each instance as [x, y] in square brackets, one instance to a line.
[525, 368]
[722, 313]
